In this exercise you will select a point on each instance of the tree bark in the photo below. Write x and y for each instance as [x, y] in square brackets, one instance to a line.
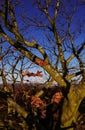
[71, 105]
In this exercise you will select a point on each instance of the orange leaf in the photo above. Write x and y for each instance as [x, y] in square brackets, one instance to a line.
[32, 74]
[57, 97]
[40, 62]
[24, 73]
[37, 102]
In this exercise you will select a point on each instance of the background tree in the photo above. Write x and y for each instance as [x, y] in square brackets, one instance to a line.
[58, 21]
[3, 65]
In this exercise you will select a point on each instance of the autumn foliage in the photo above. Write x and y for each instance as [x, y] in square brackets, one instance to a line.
[40, 62]
[39, 73]
[56, 98]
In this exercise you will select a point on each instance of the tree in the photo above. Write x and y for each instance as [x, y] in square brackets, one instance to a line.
[62, 33]
[3, 65]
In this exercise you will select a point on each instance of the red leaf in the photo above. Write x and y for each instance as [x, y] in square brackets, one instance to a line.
[39, 73]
